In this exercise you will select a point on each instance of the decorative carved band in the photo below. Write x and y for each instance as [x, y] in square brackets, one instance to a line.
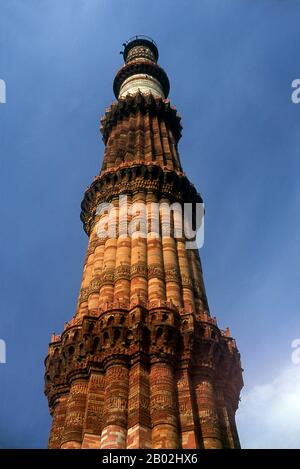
[108, 277]
[155, 271]
[118, 335]
[172, 275]
[122, 272]
[126, 272]
[84, 294]
[187, 282]
[95, 285]
[139, 270]
[136, 178]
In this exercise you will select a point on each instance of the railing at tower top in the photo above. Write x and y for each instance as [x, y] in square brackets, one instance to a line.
[139, 36]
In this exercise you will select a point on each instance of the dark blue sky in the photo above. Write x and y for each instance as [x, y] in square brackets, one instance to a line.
[230, 64]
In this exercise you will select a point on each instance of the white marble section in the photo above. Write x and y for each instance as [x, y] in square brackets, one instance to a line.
[144, 83]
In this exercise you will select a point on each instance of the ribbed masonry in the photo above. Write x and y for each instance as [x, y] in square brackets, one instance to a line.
[142, 364]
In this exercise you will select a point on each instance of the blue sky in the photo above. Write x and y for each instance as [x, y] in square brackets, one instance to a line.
[230, 64]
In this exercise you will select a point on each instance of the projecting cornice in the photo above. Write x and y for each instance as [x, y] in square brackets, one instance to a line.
[130, 179]
[143, 103]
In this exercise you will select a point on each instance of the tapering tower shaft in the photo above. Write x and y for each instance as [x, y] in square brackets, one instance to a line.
[142, 364]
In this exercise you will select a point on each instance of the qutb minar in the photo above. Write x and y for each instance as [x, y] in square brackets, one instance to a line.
[142, 364]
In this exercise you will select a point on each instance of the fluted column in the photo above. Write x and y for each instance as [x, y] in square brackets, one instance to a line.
[199, 293]
[75, 412]
[109, 261]
[139, 136]
[93, 298]
[114, 433]
[58, 419]
[173, 146]
[166, 146]
[157, 140]
[94, 411]
[207, 410]
[123, 255]
[201, 280]
[139, 283]
[156, 277]
[225, 429]
[88, 272]
[139, 422]
[171, 268]
[86, 279]
[185, 274]
[231, 417]
[89, 291]
[163, 405]
[148, 139]
[186, 407]
[130, 146]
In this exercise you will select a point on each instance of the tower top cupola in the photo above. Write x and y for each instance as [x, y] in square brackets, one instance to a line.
[140, 47]
[141, 72]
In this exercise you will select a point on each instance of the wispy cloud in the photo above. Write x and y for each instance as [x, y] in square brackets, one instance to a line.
[269, 414]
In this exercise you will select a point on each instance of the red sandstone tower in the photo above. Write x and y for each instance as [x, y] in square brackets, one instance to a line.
[142, 364]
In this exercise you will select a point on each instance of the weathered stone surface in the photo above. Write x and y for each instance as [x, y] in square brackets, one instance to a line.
[142, 364]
